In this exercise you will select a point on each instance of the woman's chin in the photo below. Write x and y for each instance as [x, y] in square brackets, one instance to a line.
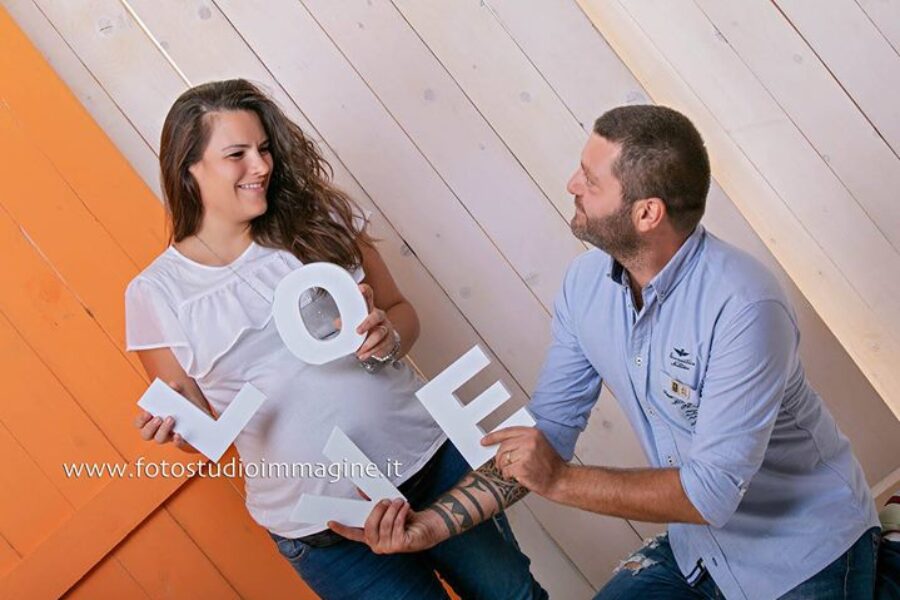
[257, 207]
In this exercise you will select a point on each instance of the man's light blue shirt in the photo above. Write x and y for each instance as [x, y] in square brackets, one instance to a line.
[709, 375]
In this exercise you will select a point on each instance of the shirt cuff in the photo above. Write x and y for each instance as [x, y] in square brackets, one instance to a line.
[712, 492]
[561, 437]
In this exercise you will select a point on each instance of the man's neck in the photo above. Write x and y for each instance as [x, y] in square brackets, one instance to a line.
[647, 263]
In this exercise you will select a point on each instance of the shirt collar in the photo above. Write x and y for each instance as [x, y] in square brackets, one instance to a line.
[666, 280]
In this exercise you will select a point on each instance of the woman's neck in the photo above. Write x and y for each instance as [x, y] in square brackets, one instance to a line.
[216, 245]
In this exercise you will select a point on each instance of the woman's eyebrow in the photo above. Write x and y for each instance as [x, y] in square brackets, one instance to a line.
[265, 141]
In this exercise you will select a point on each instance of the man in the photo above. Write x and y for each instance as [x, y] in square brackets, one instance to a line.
[699, 345]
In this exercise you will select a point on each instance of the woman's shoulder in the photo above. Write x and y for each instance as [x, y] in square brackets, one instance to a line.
[161, 275]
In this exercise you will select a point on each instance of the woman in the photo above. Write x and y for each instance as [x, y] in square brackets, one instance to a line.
[250, 200]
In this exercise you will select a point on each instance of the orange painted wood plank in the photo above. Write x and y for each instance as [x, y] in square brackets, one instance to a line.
[81, 541]
[9, 558]
[62, 128]
[117, 407]
[52, 321]
[69, 341]
[108, 579]
[30, 507]
[257, 573]
[47, 315]
[84, 186]
[157, 556]
[77, 245]
[46, 420]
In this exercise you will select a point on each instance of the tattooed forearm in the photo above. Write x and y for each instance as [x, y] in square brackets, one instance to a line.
[449, 507]
[509, 490]
[465, 492]
[478, 497]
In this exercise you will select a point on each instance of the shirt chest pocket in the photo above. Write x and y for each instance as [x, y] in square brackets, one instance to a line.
[678, 382]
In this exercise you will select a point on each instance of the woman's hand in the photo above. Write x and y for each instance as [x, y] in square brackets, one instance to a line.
[394, 527]
[160, 430]
[379, 329]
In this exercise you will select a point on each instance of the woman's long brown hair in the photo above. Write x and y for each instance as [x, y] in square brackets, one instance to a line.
[306, 215]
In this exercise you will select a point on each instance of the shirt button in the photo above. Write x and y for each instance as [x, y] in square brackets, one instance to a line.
[638, 361]
[669, 460]
[650, 412]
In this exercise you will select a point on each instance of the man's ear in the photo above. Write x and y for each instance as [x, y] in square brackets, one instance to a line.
[648, 214]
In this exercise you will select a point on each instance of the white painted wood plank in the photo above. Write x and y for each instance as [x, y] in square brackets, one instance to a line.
[456, 140]
[88, 91]
[844, 309]
[571, 55]
[595, 543]
[549, 565]
[886, 488]
[122, 59]
[399, 179]
[778, 150]
[859, 56]
[817, 105]
[507, 89]
[885, 15]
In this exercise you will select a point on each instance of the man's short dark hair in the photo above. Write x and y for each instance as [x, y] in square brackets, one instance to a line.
[662, 156]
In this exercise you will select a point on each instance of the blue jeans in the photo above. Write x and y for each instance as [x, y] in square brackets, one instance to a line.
[887, 586]
[484, 562]
[657, 576]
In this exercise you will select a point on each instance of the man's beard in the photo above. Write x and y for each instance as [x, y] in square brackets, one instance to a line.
[614, 234]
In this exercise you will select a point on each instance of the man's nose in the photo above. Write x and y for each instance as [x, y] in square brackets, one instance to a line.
[574, 185]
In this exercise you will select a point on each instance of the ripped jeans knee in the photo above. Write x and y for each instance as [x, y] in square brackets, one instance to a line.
[641, 558]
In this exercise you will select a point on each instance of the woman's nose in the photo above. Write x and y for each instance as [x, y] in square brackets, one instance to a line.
[260, 165]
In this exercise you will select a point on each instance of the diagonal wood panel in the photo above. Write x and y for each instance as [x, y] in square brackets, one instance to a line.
[49, 304]
[771, 183]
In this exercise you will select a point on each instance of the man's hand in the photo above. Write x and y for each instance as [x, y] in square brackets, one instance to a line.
[394, 527]
[526, 455]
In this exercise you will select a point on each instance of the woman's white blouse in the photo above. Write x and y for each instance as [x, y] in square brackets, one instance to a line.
[218, 323]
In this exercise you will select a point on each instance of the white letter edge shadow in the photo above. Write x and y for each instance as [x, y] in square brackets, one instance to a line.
[350, 302]
[210, 436]
[459, 422]
[321, 509]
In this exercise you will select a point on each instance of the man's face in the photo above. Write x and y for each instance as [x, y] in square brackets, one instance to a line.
[601, 218]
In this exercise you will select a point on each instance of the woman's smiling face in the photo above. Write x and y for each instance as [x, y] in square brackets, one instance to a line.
[233, 174]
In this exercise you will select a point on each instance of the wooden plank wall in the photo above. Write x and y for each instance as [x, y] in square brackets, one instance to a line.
[457, 124]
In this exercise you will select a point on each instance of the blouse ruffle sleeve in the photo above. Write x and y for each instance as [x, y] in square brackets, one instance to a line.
[150, 323]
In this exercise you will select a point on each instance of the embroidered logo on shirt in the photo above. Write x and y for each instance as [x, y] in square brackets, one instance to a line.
[681, 358]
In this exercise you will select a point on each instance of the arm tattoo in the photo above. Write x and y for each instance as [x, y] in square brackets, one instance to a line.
[449, 507]
[486, 480]
[508, 490]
